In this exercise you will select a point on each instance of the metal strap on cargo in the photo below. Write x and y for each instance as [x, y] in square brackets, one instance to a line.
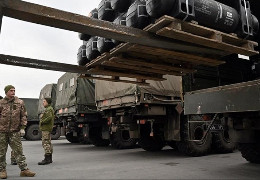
[247, 20]
[221, 10]
[188, 12]
[140, 13]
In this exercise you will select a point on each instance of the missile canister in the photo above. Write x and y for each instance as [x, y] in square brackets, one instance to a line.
[92, 14]
[229, 16]
[137, 16]
[92, 50]
[104, 44]
[105, 11]
[81, 56]
[121, 19]
[121, 5]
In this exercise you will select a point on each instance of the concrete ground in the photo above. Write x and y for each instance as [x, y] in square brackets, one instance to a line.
[79, 161]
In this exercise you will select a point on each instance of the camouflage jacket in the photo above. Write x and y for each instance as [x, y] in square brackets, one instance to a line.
[47, 119]
[13, 115]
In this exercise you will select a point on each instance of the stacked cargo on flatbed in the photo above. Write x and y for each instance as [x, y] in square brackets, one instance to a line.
[149, 63]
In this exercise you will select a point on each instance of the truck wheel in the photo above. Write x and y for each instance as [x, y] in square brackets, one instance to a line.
[121, 140]
[72, 139]
[194, 148]
[250, 151]
[55, 134]
[151, 143]
[95, 136]
[33, 133]
[222, 143]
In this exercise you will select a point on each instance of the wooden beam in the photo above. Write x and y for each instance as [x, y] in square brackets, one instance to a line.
[142, 69]
[105, 72]
[143, 83]
[200, 40]
[186, 57]
[41, 64]
[137, 62]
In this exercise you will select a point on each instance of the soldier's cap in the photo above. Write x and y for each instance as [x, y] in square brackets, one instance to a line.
[48, 100]
[8, 87]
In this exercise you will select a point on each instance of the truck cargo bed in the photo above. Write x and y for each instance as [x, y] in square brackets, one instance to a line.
[240, 97]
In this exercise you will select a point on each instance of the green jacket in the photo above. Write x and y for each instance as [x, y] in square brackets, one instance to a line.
[47, 119]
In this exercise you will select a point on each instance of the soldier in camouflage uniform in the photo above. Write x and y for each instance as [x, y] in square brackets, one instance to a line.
[46, 126]
[13, 120]
[13, 161]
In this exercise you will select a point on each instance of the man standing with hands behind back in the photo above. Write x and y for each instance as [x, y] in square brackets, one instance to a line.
[13, 119]
[46, 126]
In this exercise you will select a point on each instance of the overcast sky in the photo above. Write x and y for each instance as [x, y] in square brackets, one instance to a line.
[29, 40]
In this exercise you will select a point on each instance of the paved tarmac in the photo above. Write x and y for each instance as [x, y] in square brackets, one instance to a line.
[79, 161]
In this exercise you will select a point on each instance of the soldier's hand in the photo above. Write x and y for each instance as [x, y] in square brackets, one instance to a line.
[22, 132]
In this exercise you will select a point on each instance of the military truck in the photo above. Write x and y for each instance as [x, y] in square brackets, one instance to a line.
[31, 105]
[237, 104]
[129, 107]
[76, 109]
[48, 91]
[153, 116]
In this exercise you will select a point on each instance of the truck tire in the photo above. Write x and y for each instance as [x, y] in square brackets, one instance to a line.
[55, 134]
[33, 133]
[221, 142]
[121, 140]
[250, 151]
[193, 148]
[95, 136]
[151, 143]
[72, 139]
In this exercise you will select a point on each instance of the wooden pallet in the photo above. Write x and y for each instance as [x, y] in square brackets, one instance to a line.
[143, 63]
[189, 32]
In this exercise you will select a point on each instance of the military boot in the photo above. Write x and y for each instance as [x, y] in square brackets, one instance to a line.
[50, 158]
[27, 173]
[3, 174]
[47, 160]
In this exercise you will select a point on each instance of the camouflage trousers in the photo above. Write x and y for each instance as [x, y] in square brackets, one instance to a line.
[12, 157]
[14, 141]
[46, 142]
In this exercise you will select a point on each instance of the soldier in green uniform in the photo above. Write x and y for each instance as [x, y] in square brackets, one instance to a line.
[13, 120]
[46, 126]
